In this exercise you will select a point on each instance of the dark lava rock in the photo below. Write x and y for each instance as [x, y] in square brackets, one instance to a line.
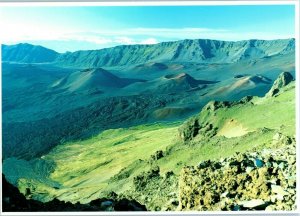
[127, 205]
[204, 164]
[14, 201]
[246, 99]
[157, 155]
[189, 129]
[141, 180]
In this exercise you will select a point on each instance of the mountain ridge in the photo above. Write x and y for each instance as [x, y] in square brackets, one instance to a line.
[211, 51]
[27, 53]
[204, 50]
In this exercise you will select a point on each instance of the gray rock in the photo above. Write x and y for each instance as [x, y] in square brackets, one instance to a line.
[276, 197]
[278, 190]
[224, 194]
[292, 191]
[255, 203]
[268, 164]
[275, 165]
[281, 165]
[270, 208]
[249, 169]
[272, 181]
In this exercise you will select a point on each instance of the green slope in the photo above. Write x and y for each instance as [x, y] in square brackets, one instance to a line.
[86, 170]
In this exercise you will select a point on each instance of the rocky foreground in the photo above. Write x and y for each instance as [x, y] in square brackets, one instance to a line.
[259, 180]
[262, 179]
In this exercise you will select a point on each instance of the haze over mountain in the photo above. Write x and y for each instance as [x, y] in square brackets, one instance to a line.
[27, 53]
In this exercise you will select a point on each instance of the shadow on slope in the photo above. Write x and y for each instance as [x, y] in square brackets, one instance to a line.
[89, 79]
[14, 201]
[170, 84]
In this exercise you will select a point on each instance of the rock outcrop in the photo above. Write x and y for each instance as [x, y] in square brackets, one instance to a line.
[258, 180]
[157, 191]
[193, 127]
[283, 79]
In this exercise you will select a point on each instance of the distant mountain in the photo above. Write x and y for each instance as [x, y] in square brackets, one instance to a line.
[200, 50]
[27, 53]
[90, 79]
[143, 56]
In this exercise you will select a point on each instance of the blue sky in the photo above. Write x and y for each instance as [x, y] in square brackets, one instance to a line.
[76, 28]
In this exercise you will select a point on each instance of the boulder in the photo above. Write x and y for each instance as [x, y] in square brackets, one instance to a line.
[253, 204]
[258, 163]
[281, 139]
[278, 190]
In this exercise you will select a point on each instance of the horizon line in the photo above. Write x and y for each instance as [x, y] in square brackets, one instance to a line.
[127, 45]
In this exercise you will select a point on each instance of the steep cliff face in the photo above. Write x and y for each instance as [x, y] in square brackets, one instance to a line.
[200, 50]
[284, 79]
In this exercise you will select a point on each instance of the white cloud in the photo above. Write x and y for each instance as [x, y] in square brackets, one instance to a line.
[14, 32]
[124, 40]
[149, 41]
[129, 40]
[157, 32]
[87, 38]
